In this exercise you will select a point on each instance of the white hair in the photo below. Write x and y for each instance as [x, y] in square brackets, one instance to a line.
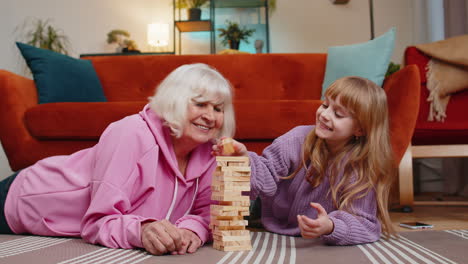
[198, 82]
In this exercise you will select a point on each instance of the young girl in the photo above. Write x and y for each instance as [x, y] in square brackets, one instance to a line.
[330, 180]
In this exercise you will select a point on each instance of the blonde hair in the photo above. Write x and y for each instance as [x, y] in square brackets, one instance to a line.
[369, 158]
[198, 82]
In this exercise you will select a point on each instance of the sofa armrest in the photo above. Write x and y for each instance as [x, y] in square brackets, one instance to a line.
[17, 95]
[403, 92]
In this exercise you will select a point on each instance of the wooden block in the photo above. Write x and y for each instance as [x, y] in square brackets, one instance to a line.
[228, 193]
[228, 208]
[219, 172]
[235, 203]
[233, 243]
[231, 248]
[222, 187]
[225, 228]
[228, 214]
[231, 232]
[221, 213]
[232, 178]
[228, 146]
[230, 223]
[225, 198]
[232, 158]
[232, 186]
[236, 168]
[236, 164]
[244, 213]
[231, 238]
[226, 217]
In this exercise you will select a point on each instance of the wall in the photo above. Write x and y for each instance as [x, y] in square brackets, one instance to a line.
[296, 26]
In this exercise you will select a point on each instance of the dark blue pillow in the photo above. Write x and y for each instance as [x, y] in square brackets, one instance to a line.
[61, 78]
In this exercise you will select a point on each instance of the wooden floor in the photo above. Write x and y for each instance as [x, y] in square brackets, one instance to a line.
[442, 217]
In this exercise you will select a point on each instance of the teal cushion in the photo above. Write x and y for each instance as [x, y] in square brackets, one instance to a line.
[60, 78]
[368, 60]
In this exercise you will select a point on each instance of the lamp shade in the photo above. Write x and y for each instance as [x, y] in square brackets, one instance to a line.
[158, 34]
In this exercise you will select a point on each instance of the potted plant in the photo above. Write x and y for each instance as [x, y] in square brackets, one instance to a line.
[193, 7]
[233, 34]
[42, 34]
[392, 68]
[122, 38]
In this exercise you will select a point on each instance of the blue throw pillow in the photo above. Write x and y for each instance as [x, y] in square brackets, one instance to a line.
[60, 78]
[368, 60]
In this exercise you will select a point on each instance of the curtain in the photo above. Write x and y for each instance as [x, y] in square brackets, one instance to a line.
[456, 20]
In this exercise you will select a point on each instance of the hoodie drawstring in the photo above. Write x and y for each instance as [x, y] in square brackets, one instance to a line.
[171, 208]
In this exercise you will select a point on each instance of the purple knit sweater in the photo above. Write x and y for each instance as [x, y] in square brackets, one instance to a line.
[283, 200]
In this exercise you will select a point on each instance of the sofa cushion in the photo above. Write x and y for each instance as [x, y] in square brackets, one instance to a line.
[253, 76]
[60, 78]
[88, 120]
[369, 60]
[76, 120]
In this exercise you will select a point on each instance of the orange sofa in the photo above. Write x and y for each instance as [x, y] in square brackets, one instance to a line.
[273, 93]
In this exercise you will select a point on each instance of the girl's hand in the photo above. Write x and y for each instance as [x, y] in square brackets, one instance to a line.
[313, 228]
[190, 242]
[160, 237]
[238, 148]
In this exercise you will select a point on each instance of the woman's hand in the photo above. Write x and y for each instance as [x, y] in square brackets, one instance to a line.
[313, 228]
[190, 242]
[160, 237]
[239, 148]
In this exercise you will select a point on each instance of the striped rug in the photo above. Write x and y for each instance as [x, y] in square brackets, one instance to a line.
[427, 246]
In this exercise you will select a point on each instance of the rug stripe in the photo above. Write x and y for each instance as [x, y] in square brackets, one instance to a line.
[21, 244]
[377, 252]
[263, 249]
[283, 250]
[126, 257]
[17, 241]
[368, 255]
[399, 252]
[254, 248]
[228, 255]
[111, 256]
[273, 249]
[428, 251]
[414, 253]
[33, 244]
[30, 247]
[137, 261]
[110, 252]
[86, 256]
[292, 258]
[237, 257]
[459, 233]
[388, 252]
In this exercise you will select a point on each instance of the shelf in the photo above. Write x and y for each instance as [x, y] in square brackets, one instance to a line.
[239, 3]
[193, 26]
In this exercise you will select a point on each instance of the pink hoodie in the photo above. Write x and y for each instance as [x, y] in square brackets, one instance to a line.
[103, 193]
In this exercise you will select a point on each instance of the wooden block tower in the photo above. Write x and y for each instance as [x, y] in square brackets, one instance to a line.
[230, 179]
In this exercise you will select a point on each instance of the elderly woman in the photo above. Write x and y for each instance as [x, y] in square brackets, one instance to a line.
[145, 184]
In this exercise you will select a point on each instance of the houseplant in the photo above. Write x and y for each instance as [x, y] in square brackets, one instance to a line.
[42, 34]
[392, 68]
[122, 38]
[193, 7]
[233, 34]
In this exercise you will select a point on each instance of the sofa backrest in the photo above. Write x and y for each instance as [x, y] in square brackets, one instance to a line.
[253, 76]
